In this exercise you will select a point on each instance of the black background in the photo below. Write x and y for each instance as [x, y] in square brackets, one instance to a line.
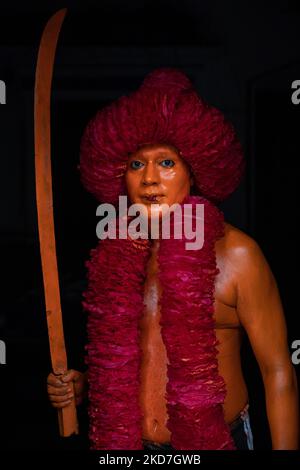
[242, 58]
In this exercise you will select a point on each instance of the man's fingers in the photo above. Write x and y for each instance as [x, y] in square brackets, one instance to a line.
[55, 381]
[62, 380]
[61, 399]
[70, 375]
[62, 389]
[58, 391]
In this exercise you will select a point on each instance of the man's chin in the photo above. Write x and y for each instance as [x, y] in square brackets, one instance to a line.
[157, 211]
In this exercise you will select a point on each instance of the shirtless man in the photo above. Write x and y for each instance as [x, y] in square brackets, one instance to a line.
[246, 299]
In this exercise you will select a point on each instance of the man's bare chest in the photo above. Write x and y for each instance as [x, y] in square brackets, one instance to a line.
[225, 293]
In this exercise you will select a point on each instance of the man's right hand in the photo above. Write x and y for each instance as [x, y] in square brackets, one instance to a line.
[60, 390]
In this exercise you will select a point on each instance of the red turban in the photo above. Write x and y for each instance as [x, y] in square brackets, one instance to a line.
[165, 109]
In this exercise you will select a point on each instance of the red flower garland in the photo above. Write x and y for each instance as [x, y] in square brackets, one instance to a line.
[114, 300]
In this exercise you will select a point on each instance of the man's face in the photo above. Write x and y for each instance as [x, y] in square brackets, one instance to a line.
[156, 174]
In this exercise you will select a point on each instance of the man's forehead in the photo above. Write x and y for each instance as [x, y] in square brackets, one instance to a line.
[155, 149]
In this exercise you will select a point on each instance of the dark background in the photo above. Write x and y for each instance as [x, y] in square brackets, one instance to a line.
[242, 58]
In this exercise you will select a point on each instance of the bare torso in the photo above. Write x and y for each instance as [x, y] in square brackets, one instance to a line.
[154, 359]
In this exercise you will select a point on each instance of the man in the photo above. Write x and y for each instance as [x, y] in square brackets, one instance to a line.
[165, 324]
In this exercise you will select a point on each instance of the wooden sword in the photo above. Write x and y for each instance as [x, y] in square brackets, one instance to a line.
[43, 177]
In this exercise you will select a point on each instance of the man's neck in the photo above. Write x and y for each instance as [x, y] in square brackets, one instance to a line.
[154, 245]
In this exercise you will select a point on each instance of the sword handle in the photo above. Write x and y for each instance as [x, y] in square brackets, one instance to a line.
[67, 418]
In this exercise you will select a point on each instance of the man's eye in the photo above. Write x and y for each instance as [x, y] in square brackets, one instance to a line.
[135, 164]
[167, 163]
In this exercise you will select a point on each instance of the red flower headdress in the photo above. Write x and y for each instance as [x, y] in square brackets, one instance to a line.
[165, 109]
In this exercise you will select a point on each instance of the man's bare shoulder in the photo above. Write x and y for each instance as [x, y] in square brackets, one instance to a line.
[239, 247]
[236, 238]
[243, 268]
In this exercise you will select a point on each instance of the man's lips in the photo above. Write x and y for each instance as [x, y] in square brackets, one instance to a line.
[153, 197]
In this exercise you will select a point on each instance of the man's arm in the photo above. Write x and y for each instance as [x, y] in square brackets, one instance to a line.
[261, 314]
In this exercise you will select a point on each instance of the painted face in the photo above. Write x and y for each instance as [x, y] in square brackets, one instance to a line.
[155, 175]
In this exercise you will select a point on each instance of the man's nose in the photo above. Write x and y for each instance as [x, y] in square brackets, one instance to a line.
[150, 175]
